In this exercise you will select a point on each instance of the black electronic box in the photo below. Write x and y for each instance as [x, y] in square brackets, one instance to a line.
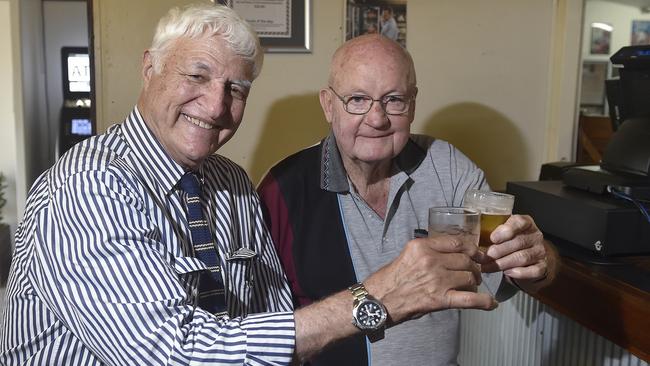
[603, 224]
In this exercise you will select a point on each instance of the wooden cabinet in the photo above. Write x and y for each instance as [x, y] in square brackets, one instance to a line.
[594, 133]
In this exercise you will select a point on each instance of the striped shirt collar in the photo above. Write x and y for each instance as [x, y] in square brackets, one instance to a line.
[333, 174]
[150, 154]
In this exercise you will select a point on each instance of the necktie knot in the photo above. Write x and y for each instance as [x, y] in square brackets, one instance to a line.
[190, 184]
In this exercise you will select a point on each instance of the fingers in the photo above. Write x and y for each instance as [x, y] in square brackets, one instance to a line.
[454, 253]
[470, 300]
[515, 225]
[463, 280]
[521, 241]
[534, 277]
[433, 274]
[519, 244]
[453, 244]
[519, 254]
[445, 253]
[536, 271]
[461, 263]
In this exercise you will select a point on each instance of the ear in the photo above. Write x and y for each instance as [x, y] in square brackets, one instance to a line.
[412, 106]
[147, 68]
[325, 98]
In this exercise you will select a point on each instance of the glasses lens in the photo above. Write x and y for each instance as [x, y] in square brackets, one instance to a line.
[395, 104]
[358, 104]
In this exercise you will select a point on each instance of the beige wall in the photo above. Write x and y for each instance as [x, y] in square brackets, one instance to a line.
[123, 30]
[9, 98]
[496, 78]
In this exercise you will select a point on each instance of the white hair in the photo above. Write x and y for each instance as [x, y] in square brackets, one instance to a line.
[199, 20]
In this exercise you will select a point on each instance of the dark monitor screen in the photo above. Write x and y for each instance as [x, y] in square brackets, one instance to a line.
[635, 88]
[76, 72]
[628, 150]
[632, 57]
[628, 94]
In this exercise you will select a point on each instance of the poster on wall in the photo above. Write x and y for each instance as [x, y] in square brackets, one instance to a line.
[386, 17]
[640, 32]
[601, 35]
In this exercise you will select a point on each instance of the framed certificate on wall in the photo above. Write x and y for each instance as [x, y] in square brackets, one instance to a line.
[282, 25]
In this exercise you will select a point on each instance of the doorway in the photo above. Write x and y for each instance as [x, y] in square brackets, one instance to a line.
[48, 26]
[608, 26]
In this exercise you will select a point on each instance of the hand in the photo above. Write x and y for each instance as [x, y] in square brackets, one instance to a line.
[521, 252]
[430, 274]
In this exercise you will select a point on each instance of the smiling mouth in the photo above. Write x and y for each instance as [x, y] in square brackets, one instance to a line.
[374, 137]
[198, 122]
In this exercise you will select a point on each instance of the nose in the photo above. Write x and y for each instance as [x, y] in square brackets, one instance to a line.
[215, 100]
[377, 117]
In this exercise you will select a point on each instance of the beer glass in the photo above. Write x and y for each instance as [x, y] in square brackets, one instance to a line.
[459, 221]
[495, 208]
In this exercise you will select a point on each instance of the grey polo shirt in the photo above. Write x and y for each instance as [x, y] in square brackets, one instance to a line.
[440, 178]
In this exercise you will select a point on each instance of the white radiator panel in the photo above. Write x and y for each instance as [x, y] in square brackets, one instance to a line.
[524, 332]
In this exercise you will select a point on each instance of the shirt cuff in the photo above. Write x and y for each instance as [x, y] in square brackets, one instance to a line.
[270, 338]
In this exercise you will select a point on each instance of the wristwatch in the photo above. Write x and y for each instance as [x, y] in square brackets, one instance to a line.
[368, 314]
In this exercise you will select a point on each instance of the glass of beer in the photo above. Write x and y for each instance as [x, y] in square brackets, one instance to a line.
[459, 221]
[495, 208]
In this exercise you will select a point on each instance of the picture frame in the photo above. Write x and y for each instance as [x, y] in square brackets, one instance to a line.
[387, 17]
[283, 26]
[601, 35]
[640, 32]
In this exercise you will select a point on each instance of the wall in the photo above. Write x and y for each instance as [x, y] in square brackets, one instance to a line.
[33, 105]
[485, 75]
[560, 138]
[10, 115]
[123, 30]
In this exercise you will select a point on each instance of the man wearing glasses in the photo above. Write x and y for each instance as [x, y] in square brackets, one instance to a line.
[345, 208]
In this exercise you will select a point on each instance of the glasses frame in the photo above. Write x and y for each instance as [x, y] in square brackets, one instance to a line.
[407, 99]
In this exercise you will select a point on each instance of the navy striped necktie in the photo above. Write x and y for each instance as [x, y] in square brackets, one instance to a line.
[211, 287]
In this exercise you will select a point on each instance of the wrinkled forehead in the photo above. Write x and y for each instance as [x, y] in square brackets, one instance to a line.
[209, 49]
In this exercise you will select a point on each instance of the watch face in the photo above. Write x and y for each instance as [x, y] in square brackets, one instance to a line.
[370, 315]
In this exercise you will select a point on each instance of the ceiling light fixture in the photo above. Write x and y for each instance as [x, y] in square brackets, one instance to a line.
[603, 26]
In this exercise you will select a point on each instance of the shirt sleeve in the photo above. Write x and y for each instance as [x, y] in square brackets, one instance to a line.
[455, 172]
[101, 267]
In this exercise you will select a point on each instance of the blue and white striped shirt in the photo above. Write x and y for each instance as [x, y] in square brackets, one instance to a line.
[103, 271]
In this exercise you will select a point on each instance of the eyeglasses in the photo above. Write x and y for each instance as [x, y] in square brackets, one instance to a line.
[361, 104]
